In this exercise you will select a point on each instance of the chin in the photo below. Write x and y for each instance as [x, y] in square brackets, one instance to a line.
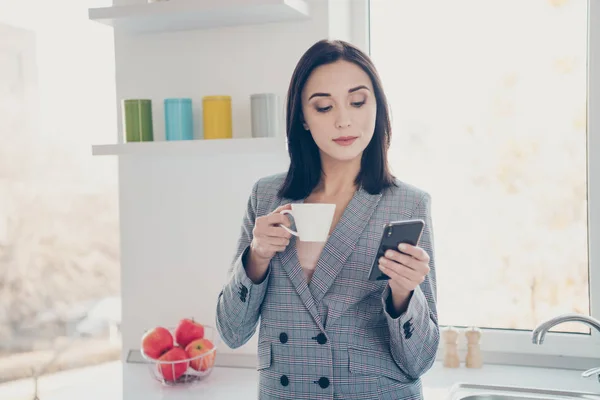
[345, 155]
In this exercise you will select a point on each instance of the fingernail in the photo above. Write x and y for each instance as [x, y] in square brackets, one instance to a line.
[388, 253]
[381, 266]
[402, 246]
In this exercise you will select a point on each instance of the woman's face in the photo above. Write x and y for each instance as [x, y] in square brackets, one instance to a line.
[339, 109]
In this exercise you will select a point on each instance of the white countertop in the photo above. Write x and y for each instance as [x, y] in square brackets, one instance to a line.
[104, 382]
[241, 383]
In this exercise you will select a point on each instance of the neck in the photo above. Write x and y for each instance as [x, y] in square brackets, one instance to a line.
[338, 176]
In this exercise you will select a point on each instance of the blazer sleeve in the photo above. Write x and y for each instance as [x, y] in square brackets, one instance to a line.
[415, 335]
[239, 303]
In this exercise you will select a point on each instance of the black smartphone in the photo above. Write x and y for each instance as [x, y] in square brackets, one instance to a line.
[394, 233]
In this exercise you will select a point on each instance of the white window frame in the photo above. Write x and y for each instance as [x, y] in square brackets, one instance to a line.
[563, 350]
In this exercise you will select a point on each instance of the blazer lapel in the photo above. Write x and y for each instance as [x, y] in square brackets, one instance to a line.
[291, 265]
[342, 241]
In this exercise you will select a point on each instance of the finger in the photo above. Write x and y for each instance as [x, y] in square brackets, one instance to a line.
[399, 279]
[416, 265]
[276, 232]
[400, 269]
[398, 257]
[277, 249]
[277, 219]
[414, 251]
[281, 208]
[278, 241]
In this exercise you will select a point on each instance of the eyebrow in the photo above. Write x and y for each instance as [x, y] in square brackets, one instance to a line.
[354, 89]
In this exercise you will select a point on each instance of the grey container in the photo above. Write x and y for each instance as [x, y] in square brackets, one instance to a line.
[267, 115]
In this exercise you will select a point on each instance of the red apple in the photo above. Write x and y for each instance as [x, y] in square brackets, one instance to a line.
[187, 331]
[156, 341]
[197, 348]
[173, 371]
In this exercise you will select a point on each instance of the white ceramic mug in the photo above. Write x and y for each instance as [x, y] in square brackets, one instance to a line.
[313, 221]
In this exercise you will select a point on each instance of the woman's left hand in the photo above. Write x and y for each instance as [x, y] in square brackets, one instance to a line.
[406, 271]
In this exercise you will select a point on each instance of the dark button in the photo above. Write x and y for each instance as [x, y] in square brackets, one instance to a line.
[283, 337]
[321, 338]
[323, 382]
[284, 380]
[408, 329]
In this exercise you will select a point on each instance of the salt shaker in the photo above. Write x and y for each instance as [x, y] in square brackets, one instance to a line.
[450, 336]
[474, 359]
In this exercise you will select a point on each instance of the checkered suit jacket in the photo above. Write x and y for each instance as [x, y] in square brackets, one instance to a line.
[333, 338]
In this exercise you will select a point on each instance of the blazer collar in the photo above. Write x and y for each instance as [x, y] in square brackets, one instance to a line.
[337, 249]
[342, 241]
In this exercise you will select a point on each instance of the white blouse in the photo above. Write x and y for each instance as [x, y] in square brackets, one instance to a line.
[308, 256]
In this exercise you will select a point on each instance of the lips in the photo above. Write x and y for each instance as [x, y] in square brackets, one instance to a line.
[345, 140]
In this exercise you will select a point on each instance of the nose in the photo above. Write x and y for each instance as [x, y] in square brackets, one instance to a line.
[342, 120]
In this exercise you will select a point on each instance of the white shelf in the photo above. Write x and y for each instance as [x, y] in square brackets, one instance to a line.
[199, 147]
[177, 15]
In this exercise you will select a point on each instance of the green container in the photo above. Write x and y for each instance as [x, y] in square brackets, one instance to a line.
[137, 120]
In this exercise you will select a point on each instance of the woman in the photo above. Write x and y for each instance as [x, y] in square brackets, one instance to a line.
[326, 331]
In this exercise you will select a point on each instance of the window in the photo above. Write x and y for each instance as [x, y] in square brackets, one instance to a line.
[59, 253]
[489, 107]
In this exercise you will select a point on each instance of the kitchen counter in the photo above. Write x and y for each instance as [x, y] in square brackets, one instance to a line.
[241, 383]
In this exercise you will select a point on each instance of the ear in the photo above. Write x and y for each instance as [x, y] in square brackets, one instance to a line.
[304, 124]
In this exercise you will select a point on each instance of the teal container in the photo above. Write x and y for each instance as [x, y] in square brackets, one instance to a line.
[179, 120]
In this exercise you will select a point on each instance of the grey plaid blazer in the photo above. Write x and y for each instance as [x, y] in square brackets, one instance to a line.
[333, 338]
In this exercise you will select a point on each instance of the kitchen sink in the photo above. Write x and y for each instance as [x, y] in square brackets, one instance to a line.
[468, 391]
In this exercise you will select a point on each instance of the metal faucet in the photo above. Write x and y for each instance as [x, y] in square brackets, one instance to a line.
[539, 333]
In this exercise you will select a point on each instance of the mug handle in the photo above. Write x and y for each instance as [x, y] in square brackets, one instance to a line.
[284, 212]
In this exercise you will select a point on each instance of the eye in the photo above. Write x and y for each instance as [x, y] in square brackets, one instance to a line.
[323, 109]
[358, 104]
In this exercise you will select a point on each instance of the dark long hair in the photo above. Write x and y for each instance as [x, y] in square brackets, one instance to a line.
[305, 170]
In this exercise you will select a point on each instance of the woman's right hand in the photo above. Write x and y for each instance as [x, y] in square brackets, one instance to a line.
[268, 238]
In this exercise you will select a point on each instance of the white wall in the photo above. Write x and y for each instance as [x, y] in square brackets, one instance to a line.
[180, 217]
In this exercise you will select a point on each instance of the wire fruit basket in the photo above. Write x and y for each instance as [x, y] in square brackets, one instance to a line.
[185, 369]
